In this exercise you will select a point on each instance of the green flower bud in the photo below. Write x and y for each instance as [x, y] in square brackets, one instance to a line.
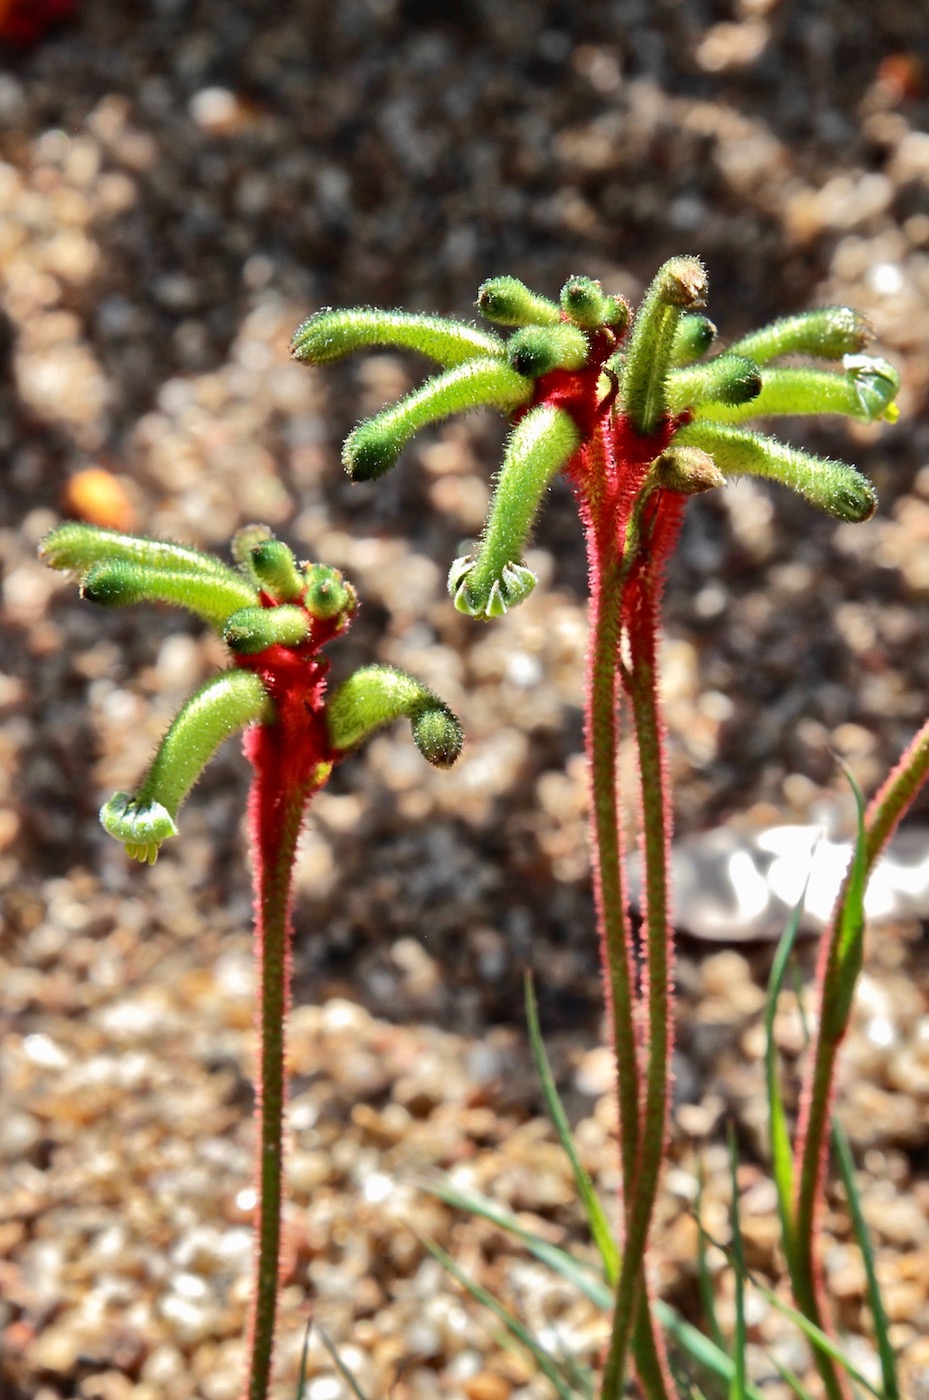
[692, 338]
[327, 592]
[377, 695]
[115, 583]
[584, 301]
[330, 334]
[537, 349]
[688, 470]
[253, 630]
[243, 542]
[438, 736]
[729, 379]
[508, 302]
[276, 570]
[374, 446]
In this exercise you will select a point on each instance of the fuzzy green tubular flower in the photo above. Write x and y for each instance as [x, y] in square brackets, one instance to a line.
[274, 568]
[536, 350]
[374, 446]
[119, 582]
[222, 706]
[331, 334]
[377, 695]
[679, 286]
[835, 487]
[728, 379]
[508, 302]
[865, 391]
[495, 579]
[75, 546]
[826, 332]
[253, 630]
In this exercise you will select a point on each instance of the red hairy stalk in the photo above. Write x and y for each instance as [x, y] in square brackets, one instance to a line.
[292, 759]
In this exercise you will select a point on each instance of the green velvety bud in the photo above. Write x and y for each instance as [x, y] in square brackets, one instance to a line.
[828, 332]
[687, 470]
[77, 546]
[374, 446]
[508, 302]
[835, 487]
[252, 630]
[225, 704]
[438, 736]
[538, 349]
[692, 338]
[377, 695]
[729, 379]
[275, 568]
[327, 592]
[331, 334]
[118, 582]
[585, 302]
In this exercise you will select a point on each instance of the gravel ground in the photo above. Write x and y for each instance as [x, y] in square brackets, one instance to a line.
[181, 183]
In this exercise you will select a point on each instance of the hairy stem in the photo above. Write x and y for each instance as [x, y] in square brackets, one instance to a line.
[602, 727]
[631, 1314]
[276, 809]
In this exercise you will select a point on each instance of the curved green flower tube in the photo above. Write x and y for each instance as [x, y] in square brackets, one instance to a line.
[223, 705]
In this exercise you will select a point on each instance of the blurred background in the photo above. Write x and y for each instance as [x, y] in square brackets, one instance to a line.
[182, 182]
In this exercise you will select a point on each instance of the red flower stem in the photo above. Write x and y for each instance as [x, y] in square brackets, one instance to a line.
[886, 810]
[642, 1184]
[280, 793]
[602, 732]
[602, 729]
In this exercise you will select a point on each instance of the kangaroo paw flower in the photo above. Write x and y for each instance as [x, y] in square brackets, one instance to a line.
[378, 695]
[331, 334]
[514, 584]
[141, 826]
[374, 446]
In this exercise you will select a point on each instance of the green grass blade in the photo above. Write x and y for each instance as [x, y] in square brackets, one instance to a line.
[542, 1358]
[558, 1260]
[699, 1348]
[843, 1157]
[596, 1216]
[818, 1338]
[781, 1147]
[704, 1282]
[301, 1379]
[340, 1365]
[740, 1338]
[789, 1378]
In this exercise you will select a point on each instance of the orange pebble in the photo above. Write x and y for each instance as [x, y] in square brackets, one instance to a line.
[99, 497]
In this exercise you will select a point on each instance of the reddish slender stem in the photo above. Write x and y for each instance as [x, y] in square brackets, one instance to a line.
[285, 778]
